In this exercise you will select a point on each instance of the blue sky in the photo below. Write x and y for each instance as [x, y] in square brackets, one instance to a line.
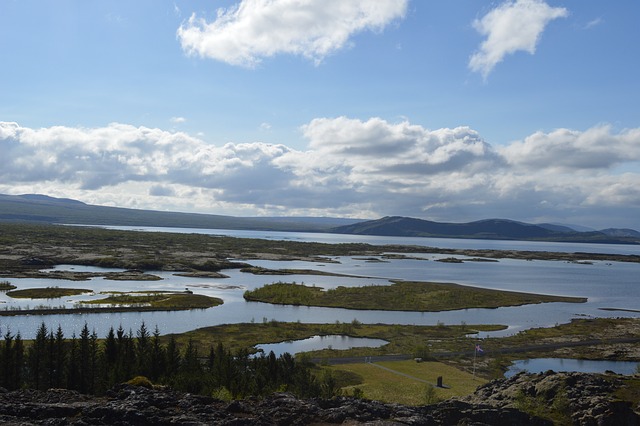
[443, 110]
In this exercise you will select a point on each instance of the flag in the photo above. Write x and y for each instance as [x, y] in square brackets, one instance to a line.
[478, 348]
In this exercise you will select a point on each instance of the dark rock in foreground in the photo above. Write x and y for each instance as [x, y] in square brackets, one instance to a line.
[586, 398]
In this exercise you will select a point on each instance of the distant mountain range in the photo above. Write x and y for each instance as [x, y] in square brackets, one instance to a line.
[495, 229]
[45, 209]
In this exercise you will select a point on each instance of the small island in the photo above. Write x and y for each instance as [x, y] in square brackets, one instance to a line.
[154, 300]
[145, 301]
[6, 285]
[46, 292]
[399, 296]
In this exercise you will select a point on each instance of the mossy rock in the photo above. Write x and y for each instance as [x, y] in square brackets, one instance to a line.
[141, 381]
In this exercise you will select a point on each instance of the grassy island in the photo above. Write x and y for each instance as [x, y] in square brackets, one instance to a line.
[46, 292]
[400, 296]
[159, 300]
[6, 285]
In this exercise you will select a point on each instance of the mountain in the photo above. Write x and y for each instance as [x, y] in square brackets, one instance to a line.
[45, 209]
[557, 227]
[621, 232]
[499, 229]
[409, 227]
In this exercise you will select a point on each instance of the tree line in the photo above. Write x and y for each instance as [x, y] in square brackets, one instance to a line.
[88, 365]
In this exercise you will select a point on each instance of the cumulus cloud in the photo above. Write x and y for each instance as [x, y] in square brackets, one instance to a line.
[255, 29]
[595, 148]
[351, 167]
[513, 26]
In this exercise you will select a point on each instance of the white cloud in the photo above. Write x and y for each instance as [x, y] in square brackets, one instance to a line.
[257, 29]
[595, 148]
[351, 167]
[178, 120]
[513, 26]
[593, 23]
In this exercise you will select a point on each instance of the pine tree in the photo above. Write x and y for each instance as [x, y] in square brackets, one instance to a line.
[143, 352]
[59, 356]
[73, 372]
[173, 358]
[18, 361]
[37, 360]
[158, 357]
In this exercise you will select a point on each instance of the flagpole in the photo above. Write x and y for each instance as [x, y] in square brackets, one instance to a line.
[475, 353]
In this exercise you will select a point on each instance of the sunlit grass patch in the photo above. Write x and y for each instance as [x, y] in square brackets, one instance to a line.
[383, 385]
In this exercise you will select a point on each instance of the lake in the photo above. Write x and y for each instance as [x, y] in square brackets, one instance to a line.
[606, 285]
[320, 342]
[540, 365]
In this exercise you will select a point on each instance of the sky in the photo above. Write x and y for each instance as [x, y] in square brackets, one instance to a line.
[442, 110]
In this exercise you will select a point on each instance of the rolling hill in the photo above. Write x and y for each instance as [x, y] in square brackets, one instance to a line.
[498, 229]
[45, 209]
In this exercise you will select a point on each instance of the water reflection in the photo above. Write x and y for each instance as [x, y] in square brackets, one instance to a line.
[321, 342]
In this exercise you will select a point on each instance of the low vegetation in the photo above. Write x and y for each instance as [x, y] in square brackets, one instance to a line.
[400, 296]
[46, 292]
[6, 285]
[29, 247]
[403, 339]
[163, 300]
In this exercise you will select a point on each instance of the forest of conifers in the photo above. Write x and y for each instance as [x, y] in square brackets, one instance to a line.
[93, 366]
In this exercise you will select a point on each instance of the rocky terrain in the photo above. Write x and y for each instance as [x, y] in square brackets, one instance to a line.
[563, 398]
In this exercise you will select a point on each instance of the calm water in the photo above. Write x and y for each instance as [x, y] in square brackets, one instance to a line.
[321, 342]
[540, 365]
[605, 284]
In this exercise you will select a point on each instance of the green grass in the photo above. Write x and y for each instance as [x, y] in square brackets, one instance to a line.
[383, 385]
[46, 292]
[400, 296]
[403, 339]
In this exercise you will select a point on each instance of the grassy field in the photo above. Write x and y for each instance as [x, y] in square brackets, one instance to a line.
[400, 296]
[408, 381]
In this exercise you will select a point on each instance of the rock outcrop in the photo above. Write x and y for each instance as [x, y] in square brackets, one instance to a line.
[586, 398]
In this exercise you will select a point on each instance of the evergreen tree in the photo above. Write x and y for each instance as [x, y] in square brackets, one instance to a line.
[37, 360]
[84, 358]
[11, 367]
[73, 371]
[58, 358]
[173, 358]
[18, 361]
[158, 357]
[143, 352]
